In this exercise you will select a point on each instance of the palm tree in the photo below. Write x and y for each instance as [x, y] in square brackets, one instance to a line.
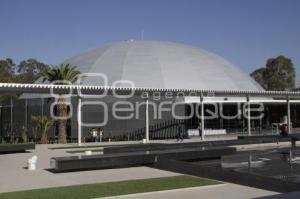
[60, 75]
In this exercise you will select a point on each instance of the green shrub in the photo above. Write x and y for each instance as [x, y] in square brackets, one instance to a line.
[43, 125]
[24, 134]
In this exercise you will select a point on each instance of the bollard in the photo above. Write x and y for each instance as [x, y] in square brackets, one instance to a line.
[31, 163]
[249, 162]
[291, 158]
[293, 142]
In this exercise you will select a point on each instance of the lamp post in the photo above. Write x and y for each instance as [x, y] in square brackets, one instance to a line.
[79, 119]
[147, 118]
[202, 116]
[249, 115]
[288, 114]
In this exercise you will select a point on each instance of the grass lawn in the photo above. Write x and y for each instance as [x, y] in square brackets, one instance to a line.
[111, 188]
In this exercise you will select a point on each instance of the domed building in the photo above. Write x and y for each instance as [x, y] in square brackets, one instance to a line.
[149, 64]
[156, 64]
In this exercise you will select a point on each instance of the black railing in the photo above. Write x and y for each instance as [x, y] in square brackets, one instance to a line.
[164, 130]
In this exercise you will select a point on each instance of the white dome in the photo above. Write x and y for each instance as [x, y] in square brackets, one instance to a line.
[157, 64]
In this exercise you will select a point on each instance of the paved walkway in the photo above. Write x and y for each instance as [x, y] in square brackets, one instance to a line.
[223, 191]
[13, 176]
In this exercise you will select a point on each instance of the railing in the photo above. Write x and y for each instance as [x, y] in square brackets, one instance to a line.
[164, 130]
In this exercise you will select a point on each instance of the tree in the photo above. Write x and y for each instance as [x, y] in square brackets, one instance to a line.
[6, 70]
[258, 75]
[43, 124]
[30, 70]
[58, 75]
[6, 76]
[279, 74]
[27, 71]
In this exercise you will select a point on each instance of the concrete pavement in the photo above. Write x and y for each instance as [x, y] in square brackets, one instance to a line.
[14, 177]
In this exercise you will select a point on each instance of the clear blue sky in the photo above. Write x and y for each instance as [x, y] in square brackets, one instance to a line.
[246, 32]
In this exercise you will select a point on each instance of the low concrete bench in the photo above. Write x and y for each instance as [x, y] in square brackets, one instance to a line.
[121, 160]
[293, 138]
[14, 148]
[196, 132]
[215, 132]
[242, 140]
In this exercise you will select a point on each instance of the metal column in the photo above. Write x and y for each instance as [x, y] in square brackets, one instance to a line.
[202, 116]
[147, 119]
[42, 107]
[11, 116]
[1, 133]
[288, 114]
[260, 125]
[249, 115]
[26, 113]
[79, 119]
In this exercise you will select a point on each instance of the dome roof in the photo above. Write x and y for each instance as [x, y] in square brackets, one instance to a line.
[158, 64]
